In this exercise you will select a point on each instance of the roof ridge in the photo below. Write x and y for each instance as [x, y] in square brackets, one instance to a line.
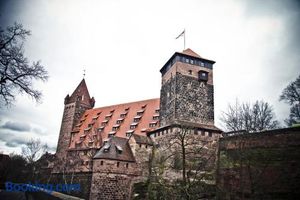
[125, 103]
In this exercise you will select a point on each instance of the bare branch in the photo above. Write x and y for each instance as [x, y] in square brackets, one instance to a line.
[16, 72]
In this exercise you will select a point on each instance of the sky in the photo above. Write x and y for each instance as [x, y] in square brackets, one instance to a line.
[123, 44]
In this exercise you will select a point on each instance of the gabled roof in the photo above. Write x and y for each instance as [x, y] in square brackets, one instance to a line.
[116, 148]
[102, 125]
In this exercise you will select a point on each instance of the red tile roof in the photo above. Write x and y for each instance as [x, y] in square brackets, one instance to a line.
[107, 119]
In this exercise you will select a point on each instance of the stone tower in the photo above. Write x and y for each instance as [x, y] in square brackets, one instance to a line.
[75, 106]
[187, 92]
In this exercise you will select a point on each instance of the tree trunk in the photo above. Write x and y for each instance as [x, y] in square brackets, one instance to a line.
[183, 163]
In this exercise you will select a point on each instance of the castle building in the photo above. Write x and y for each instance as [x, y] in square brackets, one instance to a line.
[112, 144]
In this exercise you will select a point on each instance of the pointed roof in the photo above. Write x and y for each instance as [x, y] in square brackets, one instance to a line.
[190, 52]
[81, 92]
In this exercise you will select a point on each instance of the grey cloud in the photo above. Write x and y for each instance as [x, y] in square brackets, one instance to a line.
[11, 140]
[271, 7]
[16, 126]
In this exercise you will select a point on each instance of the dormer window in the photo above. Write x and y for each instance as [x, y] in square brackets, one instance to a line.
[111, 134]
[119, 149]
[140, 112]
[155, 117]
[153, 124]
[87, 129]
[100, 129]
[95, 117]
[129, 133]
[203, 75]
[137, 118]
[133, 125]
[104, 122]
[90, 143]
[115, 127]
[106, 147]
[120, 120]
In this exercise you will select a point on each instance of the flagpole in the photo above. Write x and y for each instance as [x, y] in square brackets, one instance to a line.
[184, 40]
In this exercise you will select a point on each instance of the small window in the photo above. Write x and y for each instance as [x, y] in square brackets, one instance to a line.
[115, 128]
[210, 134]
[203, 75]
[119, 149]
[140, 112]
[118, 164]
[202, 64]
[123, 115]
[132, 126]
[192, 62]
[187, 60]
[196, 132]
[155, 117]
[101, 163]
[190, 72]
[119, 121]
[202, 133]
[127, 165]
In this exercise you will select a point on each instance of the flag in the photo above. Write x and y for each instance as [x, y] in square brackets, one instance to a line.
[181, 34]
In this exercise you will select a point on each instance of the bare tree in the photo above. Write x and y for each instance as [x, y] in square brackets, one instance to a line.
[16, 72]
[291, 95]
[257, 117]
[33, 150]
[185, 152]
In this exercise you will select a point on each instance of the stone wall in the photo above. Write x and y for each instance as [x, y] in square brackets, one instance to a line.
[263, 165]
[194, 100]
[142, 153]
[185, 98]
[71, 116]
[84, 179]
[198, 143]
[113, 179]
